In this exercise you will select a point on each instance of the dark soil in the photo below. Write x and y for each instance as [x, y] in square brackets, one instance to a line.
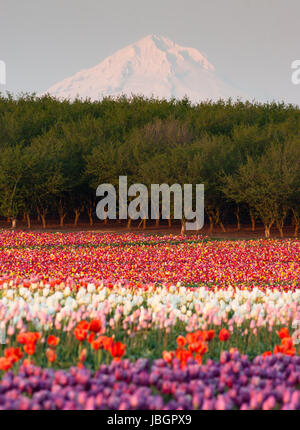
[114, 227]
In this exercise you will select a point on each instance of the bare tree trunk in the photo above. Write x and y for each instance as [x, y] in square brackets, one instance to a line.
[215, 219]
[182, 226]
[252, 222]
[169, 222]
[14, 223]
[267, 230]
[143, 223]
[211, 223]
[28, 220]
[77, 214]
[90, 215]
[43, 218]
[61, 213]
[218, 220]
[129, 223]
[280, 222]
[280, 229]
[43, 214]
[222, 227]
[157, 219]
[237, 214]
[61, 220]
[296, 221]
[38, 214]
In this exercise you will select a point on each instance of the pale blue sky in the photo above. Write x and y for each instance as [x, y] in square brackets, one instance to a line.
[251, 43]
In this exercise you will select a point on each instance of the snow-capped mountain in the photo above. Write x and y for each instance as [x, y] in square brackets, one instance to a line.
[153, 66]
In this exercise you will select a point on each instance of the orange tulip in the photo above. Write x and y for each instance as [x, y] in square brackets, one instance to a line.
[117, 350]
[28, 337]
[91, 337]
[53, 340]
[284, 332]
[224, 335]
[83, 325]
[51, 355]
[98, 343]
[181, 341]
[15, 354]
[107, 342]
[183, 355]
[80, 333]
[29, 348]
[210, 334]
[198, 358]
[5, 363]
[95, 326]
[168, 356]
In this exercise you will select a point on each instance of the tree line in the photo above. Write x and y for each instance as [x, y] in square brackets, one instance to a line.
[55, 153]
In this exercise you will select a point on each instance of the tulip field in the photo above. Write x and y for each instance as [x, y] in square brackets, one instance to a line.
[135, 321]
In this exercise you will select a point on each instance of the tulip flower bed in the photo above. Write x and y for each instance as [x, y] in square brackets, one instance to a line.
[232, 383]
[98, 321]
[72, 258]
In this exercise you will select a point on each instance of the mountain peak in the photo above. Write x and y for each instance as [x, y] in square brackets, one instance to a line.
[152, 66]
[156, 38]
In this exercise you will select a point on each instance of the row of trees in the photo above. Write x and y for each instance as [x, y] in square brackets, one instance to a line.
[54, 155]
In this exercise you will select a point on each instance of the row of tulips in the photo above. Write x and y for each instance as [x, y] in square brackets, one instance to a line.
[147, 321]
[269, 381]
[22, 239]
[232, 382]
[132, 310]
[73, 259]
